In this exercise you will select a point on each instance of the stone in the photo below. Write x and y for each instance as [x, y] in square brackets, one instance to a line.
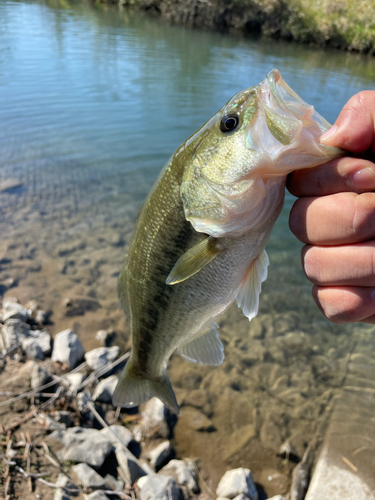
[155, 487]
[101, 357]
[276, 497]
[32, 349]
[75, 380]
[83, 445]
[129, 464]
[96, 495]
[41, 317]
[67, 349]
[12, 310]
[43, 338]
[62, 417]
[91, 452]
[39, 376]
[241, 497]
[111, 483]
[82, 399]
[87, 477]
[237, 481]
[48, 422]
[123, 433]
[155, 419]
[182, 472]
[159, 456]
[63, 481]
[60, 495]
[76, 435]
[105, 389]
[104, 336]
[15, 331]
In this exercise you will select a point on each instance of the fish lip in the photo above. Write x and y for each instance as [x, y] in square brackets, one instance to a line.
[272, 80]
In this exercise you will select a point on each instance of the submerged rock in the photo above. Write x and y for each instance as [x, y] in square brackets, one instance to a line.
[67, 349]
[237, 481]
[155, 487]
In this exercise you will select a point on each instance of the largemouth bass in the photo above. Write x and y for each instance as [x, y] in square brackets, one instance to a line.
[200, 237]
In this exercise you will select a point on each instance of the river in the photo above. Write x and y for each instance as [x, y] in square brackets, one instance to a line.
[93, 101]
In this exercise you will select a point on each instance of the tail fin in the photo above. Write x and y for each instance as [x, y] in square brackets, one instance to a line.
[133, 390]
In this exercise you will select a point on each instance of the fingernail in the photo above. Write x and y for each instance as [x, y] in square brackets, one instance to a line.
[363, 180]
[329, 133]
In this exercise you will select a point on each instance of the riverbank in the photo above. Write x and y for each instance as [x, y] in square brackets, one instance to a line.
[343, 24]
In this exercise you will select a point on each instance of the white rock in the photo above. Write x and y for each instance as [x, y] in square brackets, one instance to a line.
[41, 317]
[87, 477]
[111, 483]
[75, 380]
[63, 481]
[67, 348]
[15, 331]
[237, 481]
[43, 338]
[60, 495]
[182, 472]
[39, 376]
[82, 399]
[241, 497]
[154, 421]
[32, 348]
[12, 310]
[105, 389]
[129, 464]
[102, 356]
[276, 497]
[160, 455]
[125, 435]
[76, 435]
[155, 487]
[48, 422]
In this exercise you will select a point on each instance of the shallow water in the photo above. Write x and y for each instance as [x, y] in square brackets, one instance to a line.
[93, 101]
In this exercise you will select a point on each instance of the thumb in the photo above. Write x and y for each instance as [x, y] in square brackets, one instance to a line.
[354, 127]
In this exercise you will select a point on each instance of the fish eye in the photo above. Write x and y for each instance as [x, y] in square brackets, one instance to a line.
[229, 123]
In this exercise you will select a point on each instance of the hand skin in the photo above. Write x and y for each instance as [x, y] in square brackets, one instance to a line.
[335, 217]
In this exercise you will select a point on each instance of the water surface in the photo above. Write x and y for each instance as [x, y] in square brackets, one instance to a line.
[93, 101]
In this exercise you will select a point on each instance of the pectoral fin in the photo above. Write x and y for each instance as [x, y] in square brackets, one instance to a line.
[194, 260]
[249, 290]
[206, 349]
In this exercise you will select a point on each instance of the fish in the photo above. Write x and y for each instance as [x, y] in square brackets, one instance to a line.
[200, 236]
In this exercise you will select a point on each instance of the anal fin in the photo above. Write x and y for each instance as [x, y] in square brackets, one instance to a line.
[206, 349]
[248, 293]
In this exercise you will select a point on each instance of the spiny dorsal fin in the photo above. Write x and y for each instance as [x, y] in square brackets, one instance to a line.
[249, 290]
[206, 349]
[194, 260]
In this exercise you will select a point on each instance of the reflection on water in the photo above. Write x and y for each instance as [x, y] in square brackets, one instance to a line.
[93, 101]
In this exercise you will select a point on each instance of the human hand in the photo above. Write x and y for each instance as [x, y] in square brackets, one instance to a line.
[335, 217]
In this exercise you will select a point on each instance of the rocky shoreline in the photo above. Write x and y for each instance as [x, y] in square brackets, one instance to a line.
[345, 25]
[60, 434]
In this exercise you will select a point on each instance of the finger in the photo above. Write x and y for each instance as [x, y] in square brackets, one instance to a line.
[337, 219]
[354, 127]
[343, 174]
[345, 304]
[351, 265]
